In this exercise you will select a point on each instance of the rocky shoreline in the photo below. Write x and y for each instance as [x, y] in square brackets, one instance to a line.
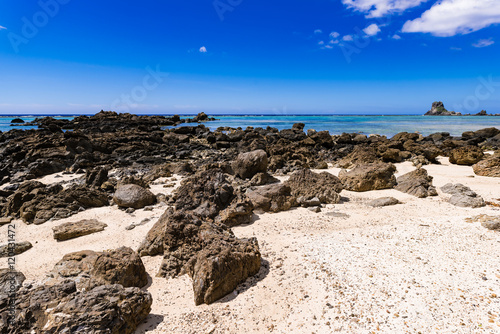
[197, 186]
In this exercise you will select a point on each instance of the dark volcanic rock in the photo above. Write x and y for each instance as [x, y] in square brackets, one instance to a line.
[10, 281]
[489, 166]
[462, 196]
[133, 196]
[239, 212]
[205, 193]
[77, 229]
[17, 121]
[96, 177]
[271, 198]
[248, 164]
[261, 179]
[215, 259]
[467, 155]
[417, 183]
[34, 202]
[438, 109]
[14, 248]
[306, 185]
[61, 309]
[88, 268]
[359, 156]
[367, 177]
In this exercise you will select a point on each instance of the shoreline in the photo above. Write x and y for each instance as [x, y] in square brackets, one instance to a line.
[329, 260]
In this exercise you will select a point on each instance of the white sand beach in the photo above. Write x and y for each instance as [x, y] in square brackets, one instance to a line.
[415, 267]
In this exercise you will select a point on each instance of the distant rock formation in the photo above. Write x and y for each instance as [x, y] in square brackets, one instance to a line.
[438, 109]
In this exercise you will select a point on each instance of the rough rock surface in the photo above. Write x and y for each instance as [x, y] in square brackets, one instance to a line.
[77, 229]
[205, 193]
[239, 212]
[271, 198]
[88, 268]
[417, 183]
[489, 222]
[261, 179]
[10, 281]
[34, 202]
[462, 196]
[14, 248]
[133, 196]
[383, 201]
[306, 185]
[248, 164]
[467, 155]
[488, 167]
[61, 308]
[215, 259]
[438, 109]
[367, 177]
[96, 177]
[359, 156]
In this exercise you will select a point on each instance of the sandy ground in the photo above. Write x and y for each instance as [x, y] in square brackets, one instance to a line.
[414, 267]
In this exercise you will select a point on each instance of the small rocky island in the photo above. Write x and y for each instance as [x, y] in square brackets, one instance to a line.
[438, 109]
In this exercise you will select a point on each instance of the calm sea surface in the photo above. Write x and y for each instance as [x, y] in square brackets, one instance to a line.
[385, 125]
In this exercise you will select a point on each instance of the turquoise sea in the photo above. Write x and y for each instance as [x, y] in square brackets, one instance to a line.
[385, 125]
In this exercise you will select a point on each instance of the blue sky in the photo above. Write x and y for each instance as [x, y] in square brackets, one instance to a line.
[249, 56]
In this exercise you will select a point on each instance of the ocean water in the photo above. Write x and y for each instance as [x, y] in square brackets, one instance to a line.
[384, 125]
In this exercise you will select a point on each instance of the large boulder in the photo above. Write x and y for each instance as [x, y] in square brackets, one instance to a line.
[271, 198]
[215, 259]
[462, 196]
[466, 155]
[60, 308]
[248, 164]
[367, 177]
[133, 196]
[89, 269]
[77, 229]
[305, 185]
[489, 166]
[417, 183]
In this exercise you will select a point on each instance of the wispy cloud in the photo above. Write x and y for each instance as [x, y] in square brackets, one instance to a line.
[454, 48]
[203, 49]
[2, 28]
[334, 35]
[379, 8]
[452, 17]
[396, 36]
[318, 31]
[348, 38]
[482, 43]
[371, 30]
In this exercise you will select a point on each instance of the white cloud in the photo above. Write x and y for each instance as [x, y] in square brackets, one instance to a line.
[334, 35]
[396, 36]
[482, 43]
[451, 17]
[379, 8]
[348, 38]
[2, 28]
[371, 30]
[321, 43]
[328, 46]
[203, 49]
[318, 31]
[334, 41]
